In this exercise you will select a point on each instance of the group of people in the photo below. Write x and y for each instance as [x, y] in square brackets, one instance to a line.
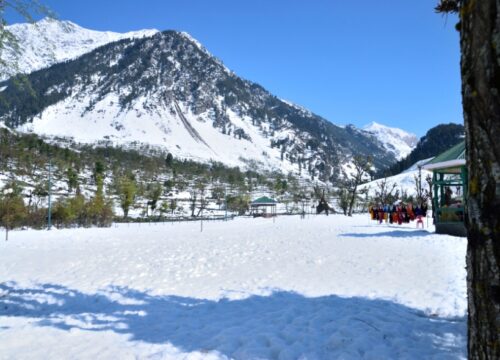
[398, 213]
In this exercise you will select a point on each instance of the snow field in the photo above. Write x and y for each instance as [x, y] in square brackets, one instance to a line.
[318, 288]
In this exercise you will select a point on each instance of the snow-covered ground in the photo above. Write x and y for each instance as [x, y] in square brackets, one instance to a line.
[318, 288]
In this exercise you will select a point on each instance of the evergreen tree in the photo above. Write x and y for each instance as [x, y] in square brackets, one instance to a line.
[169, 161]
[126, 190]
[72, 179]
[99, 175]
[12, 209]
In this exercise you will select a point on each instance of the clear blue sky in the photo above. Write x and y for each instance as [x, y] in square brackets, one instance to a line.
[394, 61]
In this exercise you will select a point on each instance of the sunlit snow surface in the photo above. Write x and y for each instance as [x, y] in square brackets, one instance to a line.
[47, 42]
[394, 140]
[319, 288]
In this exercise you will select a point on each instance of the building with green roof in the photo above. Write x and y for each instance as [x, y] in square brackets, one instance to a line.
[449, 184]
[263, 206]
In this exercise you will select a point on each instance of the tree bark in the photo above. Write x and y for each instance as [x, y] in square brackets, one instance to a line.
[480, 70]
[352, 199]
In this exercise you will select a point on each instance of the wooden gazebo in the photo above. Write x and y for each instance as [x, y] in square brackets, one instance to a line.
[263, 206]
[449, 184]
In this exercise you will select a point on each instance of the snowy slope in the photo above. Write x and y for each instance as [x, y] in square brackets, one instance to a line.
[395, 140]
[339, 288]
[166, 90]
[405, 182]
[48, 41]
[163, 128]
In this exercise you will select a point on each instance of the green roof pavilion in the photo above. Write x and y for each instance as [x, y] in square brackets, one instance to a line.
[449, 184]
[263, 206]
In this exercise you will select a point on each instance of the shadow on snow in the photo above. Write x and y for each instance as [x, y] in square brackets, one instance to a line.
[393, 233]
[283, 324]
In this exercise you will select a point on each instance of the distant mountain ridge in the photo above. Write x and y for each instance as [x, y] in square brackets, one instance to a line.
[395, 140]
[438, 139]
[166, 90]
[50, 41]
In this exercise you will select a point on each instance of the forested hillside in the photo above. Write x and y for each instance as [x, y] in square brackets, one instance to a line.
[92, 185]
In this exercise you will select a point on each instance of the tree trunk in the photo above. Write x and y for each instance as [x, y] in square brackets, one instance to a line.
[352, 199]
[480, 68]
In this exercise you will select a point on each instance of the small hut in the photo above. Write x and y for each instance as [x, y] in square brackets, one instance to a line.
[263, 206]
[449, 184]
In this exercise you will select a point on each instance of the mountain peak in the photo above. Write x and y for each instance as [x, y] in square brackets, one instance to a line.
[372, 124]
[395, 140]
[49, 41]
[51, 22]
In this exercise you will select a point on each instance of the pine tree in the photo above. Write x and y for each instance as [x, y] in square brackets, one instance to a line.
[72, 179]
[169, 161]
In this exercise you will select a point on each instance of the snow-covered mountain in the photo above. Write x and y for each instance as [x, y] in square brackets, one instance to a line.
[49, 41]
[166, 90]
[396, 141]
